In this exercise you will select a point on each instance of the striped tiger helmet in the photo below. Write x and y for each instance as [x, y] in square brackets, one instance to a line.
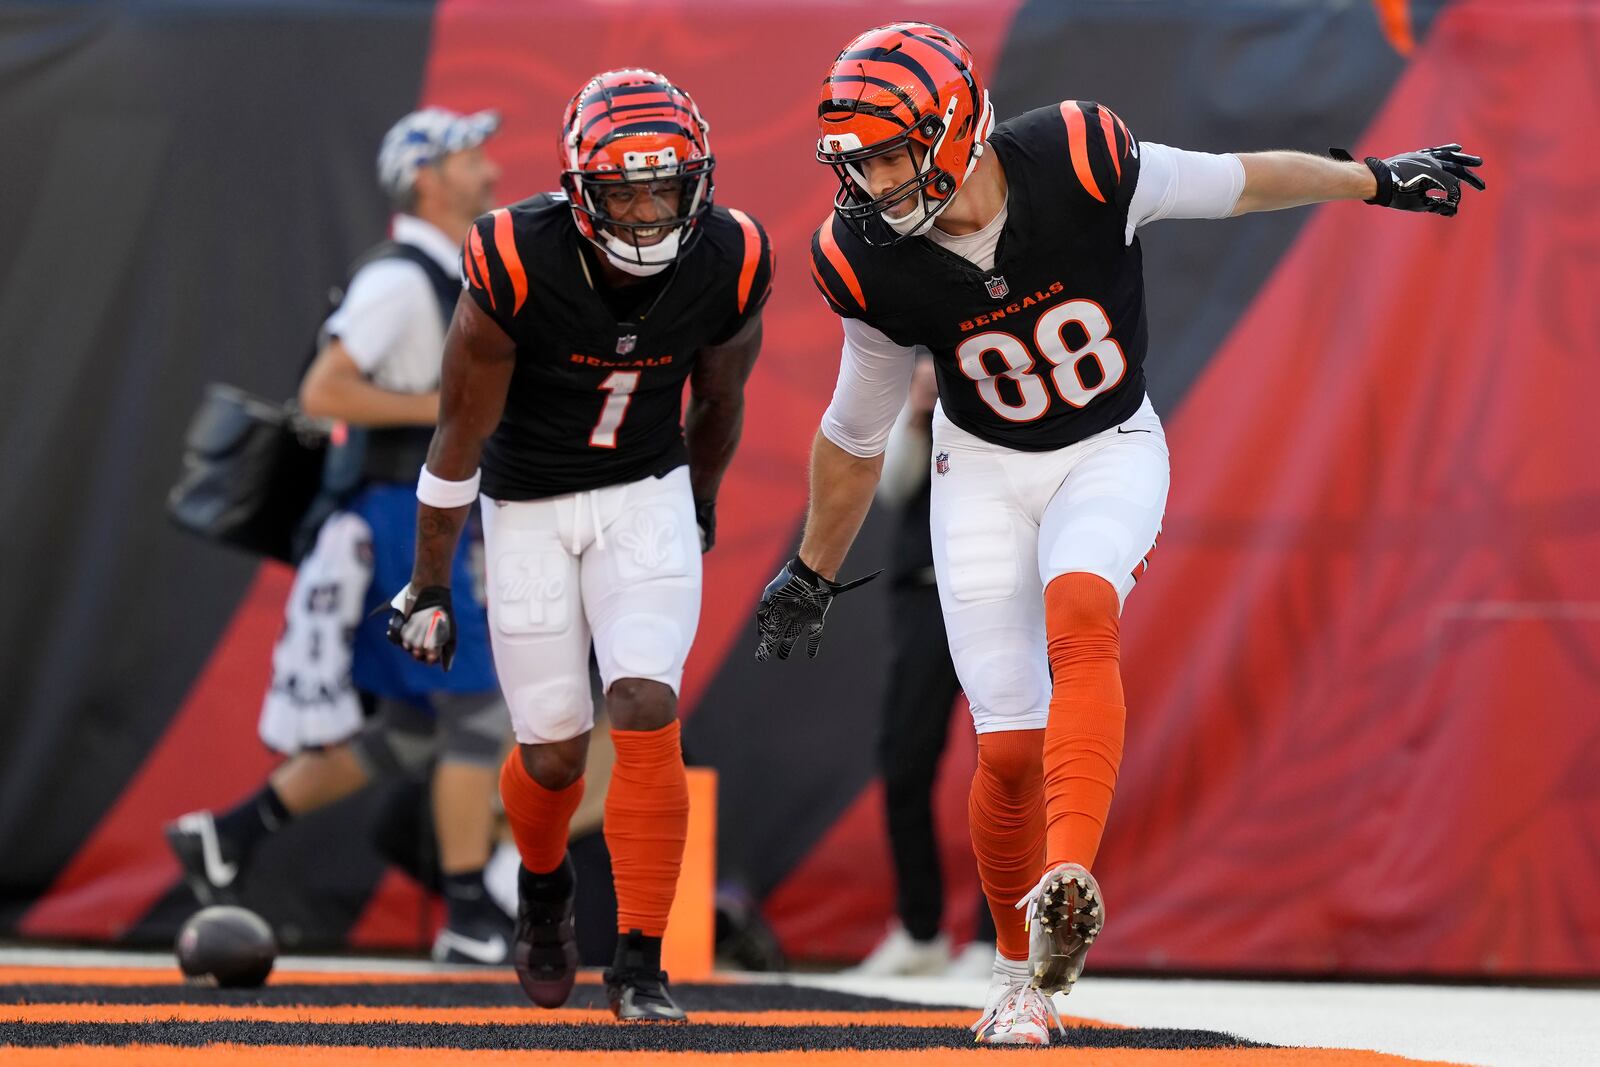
[631, 133]
[908, 83]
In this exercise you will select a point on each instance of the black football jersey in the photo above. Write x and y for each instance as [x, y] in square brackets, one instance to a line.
[596, 396]
[1048, 347]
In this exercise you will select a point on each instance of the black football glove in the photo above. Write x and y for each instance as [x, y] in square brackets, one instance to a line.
[793, 605]
[705, 516]
[424, 624]
[1425, 180]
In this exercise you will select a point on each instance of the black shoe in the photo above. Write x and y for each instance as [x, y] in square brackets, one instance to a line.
[483, 937]
[636, 985]
[544, 949]
[211, 863]
[742, 935]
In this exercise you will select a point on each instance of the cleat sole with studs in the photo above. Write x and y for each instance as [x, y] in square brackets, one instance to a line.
[1071, 913]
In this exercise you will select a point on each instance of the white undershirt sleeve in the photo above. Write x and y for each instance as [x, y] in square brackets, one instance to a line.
[874, 380]
[1178, 184]
[385, 299]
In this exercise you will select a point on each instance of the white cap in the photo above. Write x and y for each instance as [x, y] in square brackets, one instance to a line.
[425, 137]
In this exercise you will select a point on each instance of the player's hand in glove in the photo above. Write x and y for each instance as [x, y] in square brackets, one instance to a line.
[1426, 180]
[424, 624]
[793, 606]
[705, 517]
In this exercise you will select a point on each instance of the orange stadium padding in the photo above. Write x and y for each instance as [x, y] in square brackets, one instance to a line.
[688, 951]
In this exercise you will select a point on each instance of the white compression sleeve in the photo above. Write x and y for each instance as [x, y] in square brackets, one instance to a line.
[874, 378]
[1178, 184]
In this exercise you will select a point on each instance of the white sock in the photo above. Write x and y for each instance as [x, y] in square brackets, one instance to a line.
[1011, 971]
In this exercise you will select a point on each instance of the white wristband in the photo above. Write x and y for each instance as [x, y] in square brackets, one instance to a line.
[435, 492]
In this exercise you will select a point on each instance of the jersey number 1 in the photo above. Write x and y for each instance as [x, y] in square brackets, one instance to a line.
[620, 384]
[1068, 363]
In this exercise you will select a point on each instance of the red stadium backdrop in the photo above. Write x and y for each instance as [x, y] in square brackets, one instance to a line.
[1364, 670]
[1373, 744]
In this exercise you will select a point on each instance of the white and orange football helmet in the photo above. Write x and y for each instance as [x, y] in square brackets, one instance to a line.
[894, 86]
[635, 126]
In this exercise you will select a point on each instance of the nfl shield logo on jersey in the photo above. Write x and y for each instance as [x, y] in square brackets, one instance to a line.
[626, 342]
[941, 463]
[998, 287]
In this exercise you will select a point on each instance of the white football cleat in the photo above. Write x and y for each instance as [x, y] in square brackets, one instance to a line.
[1018, 1014]
[900, 955]
[1065, 915]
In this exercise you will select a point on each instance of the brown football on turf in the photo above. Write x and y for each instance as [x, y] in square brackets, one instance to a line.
[227, 946]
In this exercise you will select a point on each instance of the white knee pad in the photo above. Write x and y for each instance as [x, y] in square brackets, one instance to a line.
[553, 709]
[1007, 690]
[642, 645]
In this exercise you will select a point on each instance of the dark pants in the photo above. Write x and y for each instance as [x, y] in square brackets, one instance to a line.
[916, 718]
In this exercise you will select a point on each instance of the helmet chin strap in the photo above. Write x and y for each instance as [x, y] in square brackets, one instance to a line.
[915, 222]
[626, 258]
[919, 220]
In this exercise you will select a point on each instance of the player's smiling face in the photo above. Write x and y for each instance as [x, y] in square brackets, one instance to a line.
[642, 203]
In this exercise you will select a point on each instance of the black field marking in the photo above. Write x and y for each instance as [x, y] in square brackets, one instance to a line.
[556, 1037]
[451, 995]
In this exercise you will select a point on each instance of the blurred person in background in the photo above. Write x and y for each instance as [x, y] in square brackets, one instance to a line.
[588, 310]
[916, 710]
[1009, 251]
[377, 373]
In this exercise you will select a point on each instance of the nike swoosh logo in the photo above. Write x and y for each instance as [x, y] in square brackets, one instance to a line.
[219, 872]
[490, 951]
[1121, 429]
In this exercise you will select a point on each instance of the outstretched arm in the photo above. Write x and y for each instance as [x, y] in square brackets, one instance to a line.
[1426, 180]
[1178, 184]
[1277, 180]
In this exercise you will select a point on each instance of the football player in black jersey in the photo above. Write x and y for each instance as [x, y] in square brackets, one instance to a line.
[1009, 251]
[585, 313]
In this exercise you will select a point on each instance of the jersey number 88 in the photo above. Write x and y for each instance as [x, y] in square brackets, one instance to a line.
[1068, 363]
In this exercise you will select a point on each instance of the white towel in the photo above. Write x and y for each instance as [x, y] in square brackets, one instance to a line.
[311, 701]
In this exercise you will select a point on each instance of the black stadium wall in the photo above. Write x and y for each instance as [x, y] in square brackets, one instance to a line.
[181, 183]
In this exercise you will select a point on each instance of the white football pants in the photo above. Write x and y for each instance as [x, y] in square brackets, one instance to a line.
[618, 565]
[1007, 522]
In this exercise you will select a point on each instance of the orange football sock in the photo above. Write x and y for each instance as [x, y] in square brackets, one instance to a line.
[647, 820]
[1088, 714]
[1005, 811]
[538, 816]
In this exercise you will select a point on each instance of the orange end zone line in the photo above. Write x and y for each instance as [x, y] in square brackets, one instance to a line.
[243, 1056]
[145, 1013]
